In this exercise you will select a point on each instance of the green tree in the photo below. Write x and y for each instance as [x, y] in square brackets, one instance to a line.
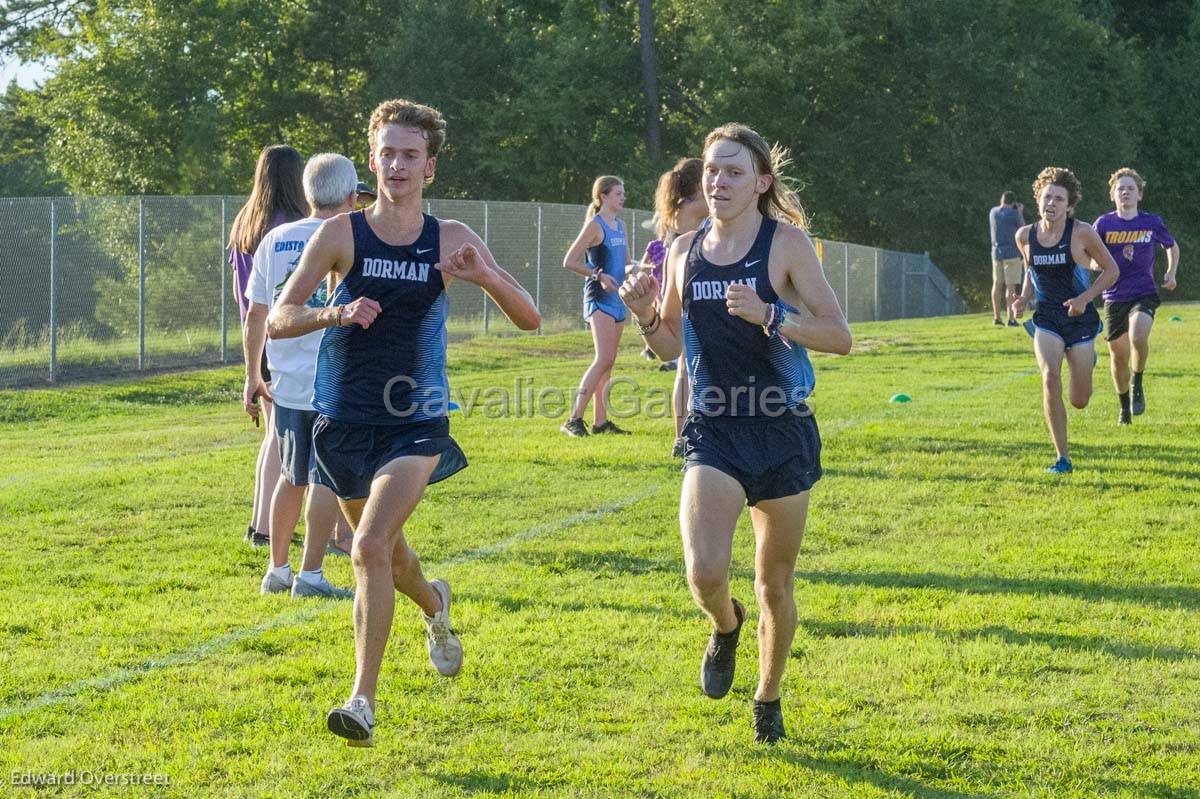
[23, 168]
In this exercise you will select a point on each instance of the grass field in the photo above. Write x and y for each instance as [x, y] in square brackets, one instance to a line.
[969, 626]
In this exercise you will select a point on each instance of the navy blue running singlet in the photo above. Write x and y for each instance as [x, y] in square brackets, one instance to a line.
[735, 370]
[394, 372]
[1057, 278]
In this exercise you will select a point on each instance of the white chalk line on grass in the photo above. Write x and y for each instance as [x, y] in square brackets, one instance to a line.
[123, 676]
[204, 650]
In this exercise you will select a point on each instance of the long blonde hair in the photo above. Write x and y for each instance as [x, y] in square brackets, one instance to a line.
[278, 189]
[674, 187]
[603, 185]
[780, 200]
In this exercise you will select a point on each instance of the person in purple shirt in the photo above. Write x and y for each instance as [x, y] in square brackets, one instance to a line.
[1132, 237]
[679, 208]
[277, 196]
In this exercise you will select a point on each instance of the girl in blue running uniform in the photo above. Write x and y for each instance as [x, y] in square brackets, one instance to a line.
[1066, 322]
[599, 255]
[751, 439]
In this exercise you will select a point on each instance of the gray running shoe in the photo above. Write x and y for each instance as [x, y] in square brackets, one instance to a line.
[353, 721]
[321, 590]
[445, 650]
[271, 584]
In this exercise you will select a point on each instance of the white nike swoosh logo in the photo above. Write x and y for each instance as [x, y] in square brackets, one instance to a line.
[752, 263]
[1062, 246]
[422, 252]
[422, 440]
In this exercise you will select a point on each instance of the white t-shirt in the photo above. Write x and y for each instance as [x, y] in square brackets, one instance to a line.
[293, 361]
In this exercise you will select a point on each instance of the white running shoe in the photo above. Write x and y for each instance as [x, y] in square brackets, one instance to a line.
[445, 650]
[322, 589]
[353, 721]
[271, 584]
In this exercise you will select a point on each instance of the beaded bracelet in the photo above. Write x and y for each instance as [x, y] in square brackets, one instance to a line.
[771, 320]
[779, 314]
[652, 326]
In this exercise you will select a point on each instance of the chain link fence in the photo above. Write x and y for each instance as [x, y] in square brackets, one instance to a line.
[101, 286]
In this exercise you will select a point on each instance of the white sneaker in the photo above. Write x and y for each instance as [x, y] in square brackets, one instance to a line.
[445, 650]
[271, 584]
[322, 589]
[353, 721]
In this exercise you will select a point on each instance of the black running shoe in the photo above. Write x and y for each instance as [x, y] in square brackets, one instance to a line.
[256, 539]
[768, 722]
[608, 428]
[716, 670]
[997, 323]
[1125, 417]
[574, 428]
[1139, 401]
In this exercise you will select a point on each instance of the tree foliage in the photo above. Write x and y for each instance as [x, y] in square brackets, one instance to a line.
[906, 118]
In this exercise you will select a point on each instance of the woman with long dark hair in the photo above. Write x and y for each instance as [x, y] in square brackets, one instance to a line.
[678, 208]
[277, 196]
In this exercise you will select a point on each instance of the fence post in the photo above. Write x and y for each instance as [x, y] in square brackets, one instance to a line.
[945, 296]
[53, 293]
[141, 282]
[876, 300]
[846, 275]
[224, 279]
[486, 303]
[925, 289]
[631, 253]
[537, 297]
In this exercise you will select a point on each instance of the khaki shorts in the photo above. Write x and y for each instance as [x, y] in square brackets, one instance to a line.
[1010, 269]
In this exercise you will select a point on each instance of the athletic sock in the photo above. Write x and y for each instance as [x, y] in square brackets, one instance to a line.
[1137, 381]
[312, 577]
[283, 572]
[1124, 398]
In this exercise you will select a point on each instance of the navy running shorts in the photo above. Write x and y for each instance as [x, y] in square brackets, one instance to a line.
[293, 436]
[1116, 314]
[771, 457]
[1071, 330]
[349, 454]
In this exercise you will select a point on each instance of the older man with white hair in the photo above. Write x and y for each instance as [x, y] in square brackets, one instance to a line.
[330, 186]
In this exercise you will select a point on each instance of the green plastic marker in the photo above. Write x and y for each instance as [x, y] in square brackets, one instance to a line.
[900, 398]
